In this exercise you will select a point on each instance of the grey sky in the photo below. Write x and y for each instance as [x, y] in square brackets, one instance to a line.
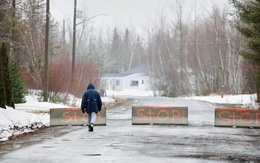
[121, 12]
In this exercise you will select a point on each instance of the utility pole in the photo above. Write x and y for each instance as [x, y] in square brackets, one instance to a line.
[74, 38]
[46, 51]
[73, 45]
[63, 39]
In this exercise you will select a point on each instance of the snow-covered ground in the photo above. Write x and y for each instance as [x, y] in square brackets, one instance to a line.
[129, 93]
[33, 114]
[244, 100]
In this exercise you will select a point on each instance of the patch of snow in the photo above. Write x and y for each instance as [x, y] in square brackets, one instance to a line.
[245, 100]
[15, 122]
[129, 92]
[33, 104]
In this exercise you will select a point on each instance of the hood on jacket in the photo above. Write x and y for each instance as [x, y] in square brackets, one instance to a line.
[90, 86]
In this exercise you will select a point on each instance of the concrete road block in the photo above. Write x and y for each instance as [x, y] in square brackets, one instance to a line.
[239, 117]
[74, 116]
[142, 115]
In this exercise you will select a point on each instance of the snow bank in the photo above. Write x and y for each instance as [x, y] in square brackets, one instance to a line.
[15, 122]
[33, 104]
[246, 100]
[18, 121]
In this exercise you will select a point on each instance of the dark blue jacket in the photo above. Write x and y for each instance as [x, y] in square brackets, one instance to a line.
[91, 100]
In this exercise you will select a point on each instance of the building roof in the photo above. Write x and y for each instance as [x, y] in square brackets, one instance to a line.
[135, 70]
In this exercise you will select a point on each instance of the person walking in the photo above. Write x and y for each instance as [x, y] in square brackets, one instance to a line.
[91, 103]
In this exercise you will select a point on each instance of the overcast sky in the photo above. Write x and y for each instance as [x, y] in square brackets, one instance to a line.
[120, 13]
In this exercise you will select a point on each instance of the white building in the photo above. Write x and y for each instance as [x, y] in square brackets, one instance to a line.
[133, 79]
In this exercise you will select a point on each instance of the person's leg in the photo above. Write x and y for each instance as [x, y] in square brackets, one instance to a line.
[89, 119]
[93, 118]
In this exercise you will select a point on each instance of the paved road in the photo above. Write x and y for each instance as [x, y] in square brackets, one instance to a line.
[120, 141]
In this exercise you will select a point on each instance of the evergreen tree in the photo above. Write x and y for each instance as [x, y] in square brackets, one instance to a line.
[126, 51]
[17, 84]
[2, 87]
[248, 13]
[6, 75]
[116, 58]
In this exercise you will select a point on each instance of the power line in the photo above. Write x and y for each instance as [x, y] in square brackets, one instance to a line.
[60, 9]
[64, 14]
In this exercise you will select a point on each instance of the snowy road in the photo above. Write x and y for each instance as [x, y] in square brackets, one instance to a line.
[120, 141]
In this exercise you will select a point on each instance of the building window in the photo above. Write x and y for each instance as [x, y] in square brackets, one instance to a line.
[134, 83]
[142, 81]
[117, 82]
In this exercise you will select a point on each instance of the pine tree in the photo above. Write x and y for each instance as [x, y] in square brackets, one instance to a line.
[2, 86]
[116, 58]
[6, 75]
[248, 13]
[126, 51]
[17, 84]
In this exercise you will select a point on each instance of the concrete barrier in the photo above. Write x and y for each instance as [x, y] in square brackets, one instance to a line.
[239, 117]
[74, 116]
[144, 115]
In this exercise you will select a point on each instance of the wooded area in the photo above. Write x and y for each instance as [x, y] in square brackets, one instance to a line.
[187, 53]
